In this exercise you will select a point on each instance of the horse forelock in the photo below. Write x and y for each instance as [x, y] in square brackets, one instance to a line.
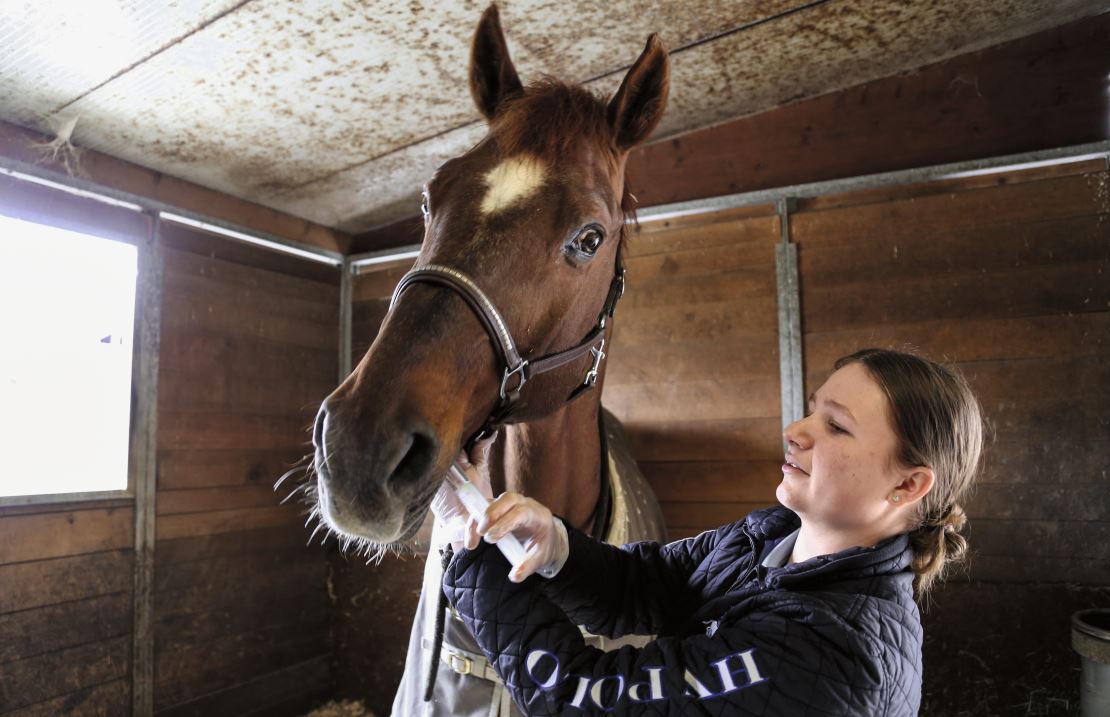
[549, 119]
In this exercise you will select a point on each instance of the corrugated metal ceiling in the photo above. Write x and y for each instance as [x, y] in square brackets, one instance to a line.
[338, 110]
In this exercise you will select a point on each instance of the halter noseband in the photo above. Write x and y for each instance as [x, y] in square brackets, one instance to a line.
[516, 366]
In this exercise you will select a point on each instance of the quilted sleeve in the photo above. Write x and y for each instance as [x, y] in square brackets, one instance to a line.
[638, 589]
[767, 664]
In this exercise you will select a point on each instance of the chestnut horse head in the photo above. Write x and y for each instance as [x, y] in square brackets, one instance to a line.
[532, 217]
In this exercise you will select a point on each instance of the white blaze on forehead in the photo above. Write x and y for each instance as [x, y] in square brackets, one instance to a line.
[514, 179]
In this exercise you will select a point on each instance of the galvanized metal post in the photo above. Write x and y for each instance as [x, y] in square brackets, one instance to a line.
[790, 319]
[146, 419]
[345, 309]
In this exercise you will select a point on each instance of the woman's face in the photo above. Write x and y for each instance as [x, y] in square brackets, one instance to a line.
[840, 468]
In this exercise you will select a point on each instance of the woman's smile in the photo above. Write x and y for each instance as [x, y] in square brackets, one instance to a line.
[791, 467]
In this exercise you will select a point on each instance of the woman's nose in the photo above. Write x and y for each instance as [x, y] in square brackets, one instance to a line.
[796, 435]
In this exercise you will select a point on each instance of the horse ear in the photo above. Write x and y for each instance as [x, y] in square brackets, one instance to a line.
[492, 75]
[639, 103]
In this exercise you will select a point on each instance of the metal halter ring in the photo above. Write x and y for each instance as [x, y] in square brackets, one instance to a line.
[519, 370]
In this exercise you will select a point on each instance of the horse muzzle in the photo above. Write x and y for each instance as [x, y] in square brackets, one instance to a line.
[377, 491]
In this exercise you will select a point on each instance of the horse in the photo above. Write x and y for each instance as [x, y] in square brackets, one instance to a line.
[497, 338]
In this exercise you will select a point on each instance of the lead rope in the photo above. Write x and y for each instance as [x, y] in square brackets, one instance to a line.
[437, 642]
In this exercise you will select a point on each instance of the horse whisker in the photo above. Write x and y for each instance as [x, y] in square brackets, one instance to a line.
[302, 488]
[288, 473]
[319, 526]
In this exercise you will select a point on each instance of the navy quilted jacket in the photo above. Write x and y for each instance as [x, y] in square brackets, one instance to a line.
[835, 635]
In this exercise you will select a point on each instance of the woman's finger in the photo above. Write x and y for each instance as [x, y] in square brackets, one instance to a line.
[501, 505]
[471, 535]
[527, 566]
[522, 517]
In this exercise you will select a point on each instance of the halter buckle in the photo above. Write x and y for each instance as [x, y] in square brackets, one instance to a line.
[523, 378]
[460, 663]
[599, 356]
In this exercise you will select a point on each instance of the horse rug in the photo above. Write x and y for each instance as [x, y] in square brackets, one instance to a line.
[466, 686]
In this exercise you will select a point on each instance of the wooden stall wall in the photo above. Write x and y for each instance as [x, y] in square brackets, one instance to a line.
[65, 609]
[1007, 277]
[248, 351]
[694, 365]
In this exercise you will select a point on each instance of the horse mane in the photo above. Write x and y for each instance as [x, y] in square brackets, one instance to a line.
[548, 118]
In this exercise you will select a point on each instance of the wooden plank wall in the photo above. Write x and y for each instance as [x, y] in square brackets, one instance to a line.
[1005, 277]
[694, 370]
[240, 604]
[65, 609]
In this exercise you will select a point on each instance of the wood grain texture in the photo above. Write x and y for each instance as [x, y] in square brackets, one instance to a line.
[108, 699]
[298, 684]
[37, 631]
[47, 582]
[191, 671]
[56, 535]
[202, 467]
[977, 656]
[248, 355]
[63, 672]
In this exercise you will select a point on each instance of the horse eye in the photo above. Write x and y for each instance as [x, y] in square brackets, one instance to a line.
[589, 240]
[424, 206]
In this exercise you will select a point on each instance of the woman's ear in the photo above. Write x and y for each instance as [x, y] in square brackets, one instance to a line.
[914, 485]
[492, 75]
[639, 103]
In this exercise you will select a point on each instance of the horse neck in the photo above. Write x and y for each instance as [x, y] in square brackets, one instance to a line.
[556, 460]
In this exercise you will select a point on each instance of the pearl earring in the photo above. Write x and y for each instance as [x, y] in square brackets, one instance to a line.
[896, 497]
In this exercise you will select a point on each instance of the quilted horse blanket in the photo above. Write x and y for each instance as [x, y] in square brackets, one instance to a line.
[466, 686]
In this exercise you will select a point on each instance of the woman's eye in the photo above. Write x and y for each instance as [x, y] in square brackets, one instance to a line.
[588, 241]
[835, 428]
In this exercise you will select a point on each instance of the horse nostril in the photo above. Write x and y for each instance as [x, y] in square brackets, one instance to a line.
[417, 460]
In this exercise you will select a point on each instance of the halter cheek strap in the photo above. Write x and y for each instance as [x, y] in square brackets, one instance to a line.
[518, 370]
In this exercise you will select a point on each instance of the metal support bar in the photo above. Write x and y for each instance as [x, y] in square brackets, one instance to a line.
[345, 311]
[384, 256]
[146, 420]
[791, 379]
[135, 202]
[1012, 162]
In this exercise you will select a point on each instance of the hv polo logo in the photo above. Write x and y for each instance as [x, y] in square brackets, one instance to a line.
[729, 674]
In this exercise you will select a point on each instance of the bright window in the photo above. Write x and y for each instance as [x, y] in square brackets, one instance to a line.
[67, 316]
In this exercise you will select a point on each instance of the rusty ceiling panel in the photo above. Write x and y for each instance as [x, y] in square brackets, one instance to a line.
[277, 95]
[52, 53]
[820, 49]
[338, 110]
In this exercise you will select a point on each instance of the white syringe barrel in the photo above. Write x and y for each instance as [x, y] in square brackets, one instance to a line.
[476, 504]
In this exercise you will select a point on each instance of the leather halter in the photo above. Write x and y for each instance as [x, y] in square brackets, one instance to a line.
[518, 370]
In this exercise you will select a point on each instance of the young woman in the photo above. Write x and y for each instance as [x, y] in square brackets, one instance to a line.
[805, 609]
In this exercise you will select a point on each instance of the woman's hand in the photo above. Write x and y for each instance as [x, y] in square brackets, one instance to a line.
[544, 538]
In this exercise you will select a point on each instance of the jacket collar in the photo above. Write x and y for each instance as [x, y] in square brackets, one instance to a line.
[770, 526]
